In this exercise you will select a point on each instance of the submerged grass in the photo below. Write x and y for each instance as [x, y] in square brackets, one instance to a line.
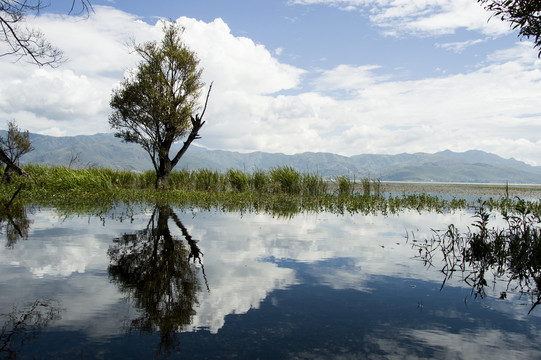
[281, 191]
[485, 255]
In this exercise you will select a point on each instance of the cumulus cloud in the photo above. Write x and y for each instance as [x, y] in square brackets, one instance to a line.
[75, 97]
[354, 109]
[261, 103]
[237, 63]
[65, 260]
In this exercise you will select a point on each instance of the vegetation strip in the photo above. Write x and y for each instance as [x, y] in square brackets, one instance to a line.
[280, 191]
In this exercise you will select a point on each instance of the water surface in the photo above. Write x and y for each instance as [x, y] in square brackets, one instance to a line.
[178, 283]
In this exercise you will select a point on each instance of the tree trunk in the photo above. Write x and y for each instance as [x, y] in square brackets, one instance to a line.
[162, 175]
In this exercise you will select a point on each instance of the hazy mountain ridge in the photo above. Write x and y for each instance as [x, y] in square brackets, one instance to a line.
[104, 150]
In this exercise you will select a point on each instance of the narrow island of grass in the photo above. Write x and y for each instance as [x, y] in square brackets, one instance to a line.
[280, 191]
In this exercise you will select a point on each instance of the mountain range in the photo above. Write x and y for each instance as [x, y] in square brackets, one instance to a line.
[104, 150]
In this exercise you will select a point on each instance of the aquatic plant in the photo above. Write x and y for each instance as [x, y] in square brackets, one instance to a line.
[345, 185]
[98, 189]
[313, 184]
[208, 180]
[286, 179]
[512, 254]
[238, 181]
[259, 181]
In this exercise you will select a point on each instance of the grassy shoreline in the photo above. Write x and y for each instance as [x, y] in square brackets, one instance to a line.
[281, 191]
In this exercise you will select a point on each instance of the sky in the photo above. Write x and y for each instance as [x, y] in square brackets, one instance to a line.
[291, 76]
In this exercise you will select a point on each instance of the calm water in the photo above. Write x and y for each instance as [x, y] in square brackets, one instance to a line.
[195, 284]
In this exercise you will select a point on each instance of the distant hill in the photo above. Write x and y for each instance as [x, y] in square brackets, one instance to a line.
[104, 150]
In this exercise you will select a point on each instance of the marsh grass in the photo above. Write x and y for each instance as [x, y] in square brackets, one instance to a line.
[282, 190]
[345, 185]
[208, 180]
[238, 180]
[259, 181]
[285, 179]
[485, 254]
[313, 184]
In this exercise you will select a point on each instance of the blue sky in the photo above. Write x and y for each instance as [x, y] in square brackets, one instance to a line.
[342, 76]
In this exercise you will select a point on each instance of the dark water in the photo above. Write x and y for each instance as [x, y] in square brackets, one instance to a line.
[173, 283]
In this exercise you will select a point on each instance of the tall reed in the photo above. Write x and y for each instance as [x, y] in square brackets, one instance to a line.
[238, 181]
[345, 185]
[286, 179]
[259, 181]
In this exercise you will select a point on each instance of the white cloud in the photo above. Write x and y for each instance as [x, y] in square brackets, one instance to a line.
[66, 259]
[460, 46]
[259, 103]
[420, 16]
[481, 341]
[353, 110]
[237, 63]
[75, 97]
[347, 77]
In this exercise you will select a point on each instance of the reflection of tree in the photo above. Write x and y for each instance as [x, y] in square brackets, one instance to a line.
[23, 324]
[153, 268]
[15, 222]
[512, 254]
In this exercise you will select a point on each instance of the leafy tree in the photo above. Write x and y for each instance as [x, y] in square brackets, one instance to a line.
[16, 144]
[154, 106]
[153, 268]
[22, 41]
[522, 14]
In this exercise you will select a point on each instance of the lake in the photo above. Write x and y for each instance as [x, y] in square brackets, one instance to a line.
[186, 283]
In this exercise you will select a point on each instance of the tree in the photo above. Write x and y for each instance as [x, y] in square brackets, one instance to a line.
[153, 268]
[16, 144]
[22, 41]
[522, 14]
[154, 106]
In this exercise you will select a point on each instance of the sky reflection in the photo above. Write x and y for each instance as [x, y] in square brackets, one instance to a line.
[353, 275]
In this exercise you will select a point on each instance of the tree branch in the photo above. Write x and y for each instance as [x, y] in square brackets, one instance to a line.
[197, 124]
[29, 42]
[10, 164]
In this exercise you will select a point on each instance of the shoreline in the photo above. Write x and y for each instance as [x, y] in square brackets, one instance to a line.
[532, 191]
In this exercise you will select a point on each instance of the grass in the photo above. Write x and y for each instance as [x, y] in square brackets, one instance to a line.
[282, 191]
[485, 254]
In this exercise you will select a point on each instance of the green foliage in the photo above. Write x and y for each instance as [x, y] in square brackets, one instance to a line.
[180, 179]
[238, 180]
[286, 179]
[345, 185]
[12, 147]
[259, 181]
[524, 15]
[313, 184]
[208, 180]
[17, 143]
[281, 191]
[153, 107]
